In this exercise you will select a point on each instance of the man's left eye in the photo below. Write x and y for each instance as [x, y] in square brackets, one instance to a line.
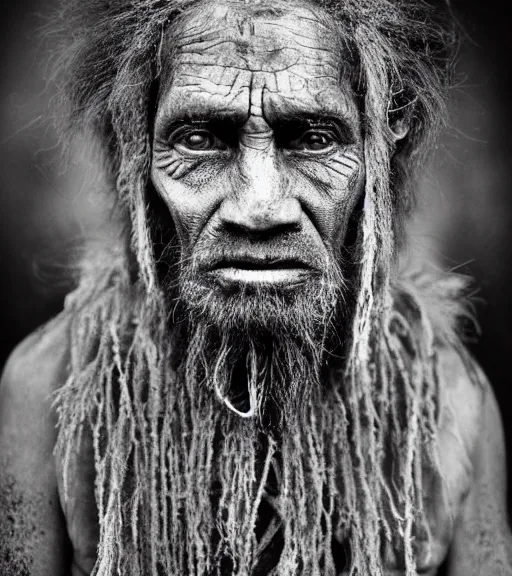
[312, 140]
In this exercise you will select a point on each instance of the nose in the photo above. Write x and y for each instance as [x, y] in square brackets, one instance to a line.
[260, 203]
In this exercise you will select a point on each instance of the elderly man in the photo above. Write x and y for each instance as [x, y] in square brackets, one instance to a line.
[243, 383]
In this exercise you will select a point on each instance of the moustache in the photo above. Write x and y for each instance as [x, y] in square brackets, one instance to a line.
[281, 252]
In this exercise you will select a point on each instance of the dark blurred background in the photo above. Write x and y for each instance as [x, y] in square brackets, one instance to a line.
[465, 219]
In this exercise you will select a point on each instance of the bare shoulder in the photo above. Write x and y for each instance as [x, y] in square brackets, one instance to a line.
[470, 421]
[468, 406]
[34, 370]
[39, 360]
[465, 398]
[31, 532]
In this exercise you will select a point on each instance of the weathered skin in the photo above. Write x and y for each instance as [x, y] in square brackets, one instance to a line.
[266, 176]
[262, 75]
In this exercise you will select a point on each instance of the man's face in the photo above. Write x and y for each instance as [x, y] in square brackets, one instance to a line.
[257, 148]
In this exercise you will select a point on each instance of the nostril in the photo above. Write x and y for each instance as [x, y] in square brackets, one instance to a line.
[259, 232]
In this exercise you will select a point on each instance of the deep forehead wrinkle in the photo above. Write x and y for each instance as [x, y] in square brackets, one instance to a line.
[253, 96]
[233, 25]
[237, 63]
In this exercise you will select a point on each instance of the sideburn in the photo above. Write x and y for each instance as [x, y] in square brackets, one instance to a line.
[165, 244]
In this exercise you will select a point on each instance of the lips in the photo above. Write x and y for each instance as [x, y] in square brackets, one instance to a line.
[252, 263]
[269, 269]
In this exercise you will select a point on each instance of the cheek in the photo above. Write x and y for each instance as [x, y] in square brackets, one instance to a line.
[332, 193]
[190, 208]
[351, 193]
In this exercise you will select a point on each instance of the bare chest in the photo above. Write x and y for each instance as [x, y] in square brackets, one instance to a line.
[443, 496]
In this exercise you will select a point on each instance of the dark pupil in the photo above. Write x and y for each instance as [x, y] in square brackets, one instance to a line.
[316, 141]
[198, 141]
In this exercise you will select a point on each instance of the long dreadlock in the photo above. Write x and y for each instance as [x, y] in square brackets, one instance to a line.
[158, 456]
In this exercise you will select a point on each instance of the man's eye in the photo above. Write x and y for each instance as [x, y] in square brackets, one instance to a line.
[313, 140]
[198, 141]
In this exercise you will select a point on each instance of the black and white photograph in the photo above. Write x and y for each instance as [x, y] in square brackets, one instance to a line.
[256, 262]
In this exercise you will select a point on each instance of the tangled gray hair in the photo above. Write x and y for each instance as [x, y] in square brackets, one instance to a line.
[178, 481]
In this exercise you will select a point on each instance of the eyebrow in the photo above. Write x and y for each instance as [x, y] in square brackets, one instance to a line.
[294, 112]
[291, 114]
[204, 113]
[315, 120]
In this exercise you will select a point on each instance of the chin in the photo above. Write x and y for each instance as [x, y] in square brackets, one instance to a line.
[260, 347]
[261, 307]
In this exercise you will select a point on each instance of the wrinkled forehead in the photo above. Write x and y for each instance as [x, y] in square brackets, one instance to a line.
[224, 49]
[261, 35]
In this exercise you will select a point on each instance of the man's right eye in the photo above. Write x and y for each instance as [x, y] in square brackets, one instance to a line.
[196, 141]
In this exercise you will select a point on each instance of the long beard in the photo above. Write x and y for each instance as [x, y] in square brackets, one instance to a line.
[184, 485]
[258, 349]
[261, 352]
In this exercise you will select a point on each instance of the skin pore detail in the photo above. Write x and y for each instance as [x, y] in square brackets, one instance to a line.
[256, 126]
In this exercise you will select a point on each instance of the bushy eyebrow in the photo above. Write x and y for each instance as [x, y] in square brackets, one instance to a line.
[340, 111]
[304, 121]
[203, 114]
[219, 119]
[342, 114]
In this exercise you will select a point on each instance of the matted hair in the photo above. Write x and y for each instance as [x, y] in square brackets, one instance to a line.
[122, 379]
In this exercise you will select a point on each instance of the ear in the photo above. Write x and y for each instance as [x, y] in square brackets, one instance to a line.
[399, 129]
[400, 113]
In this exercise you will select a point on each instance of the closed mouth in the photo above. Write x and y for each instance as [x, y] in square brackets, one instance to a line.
[260, 264]
[256, 271]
